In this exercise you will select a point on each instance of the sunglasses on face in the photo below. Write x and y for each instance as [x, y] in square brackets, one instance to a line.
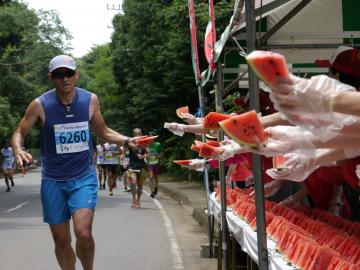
[62, 74]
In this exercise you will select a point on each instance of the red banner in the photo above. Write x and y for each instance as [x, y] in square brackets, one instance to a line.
[194, 47]
[210, 37]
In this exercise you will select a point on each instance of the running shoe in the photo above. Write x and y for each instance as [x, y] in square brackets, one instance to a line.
[152, 195]
[125, 190]
[155, 191]
[103, 186]
[8, 189]
[111, 193]
[12, 183]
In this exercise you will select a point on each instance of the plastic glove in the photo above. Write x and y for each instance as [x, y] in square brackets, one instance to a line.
[270, 188]
[297, 167]
[307, 103]
[196, 164]
[290, 202]
[286, 139]
[230, 148]
[177, 129]
[249, 181]
[191, 119]
[357, 171]
[352, 153]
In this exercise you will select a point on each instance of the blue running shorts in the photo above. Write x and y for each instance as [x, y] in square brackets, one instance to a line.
[60, 199]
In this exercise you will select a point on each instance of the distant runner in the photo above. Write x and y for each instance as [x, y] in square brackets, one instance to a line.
[8, 165]
[155, 154]
[112, 162]
[100, 159]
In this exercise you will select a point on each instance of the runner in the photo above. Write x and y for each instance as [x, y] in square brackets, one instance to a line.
[112, 162]
[137, 169]
[153, 160]
[69, 185]
[124, 165]
[8, 164]
[100, 158]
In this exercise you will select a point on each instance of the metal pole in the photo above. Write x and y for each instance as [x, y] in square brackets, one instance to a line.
[206, 177]
[257, 166]
[219, 108]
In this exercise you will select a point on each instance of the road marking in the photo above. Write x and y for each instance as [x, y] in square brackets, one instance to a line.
[175, 250]
[16, 207]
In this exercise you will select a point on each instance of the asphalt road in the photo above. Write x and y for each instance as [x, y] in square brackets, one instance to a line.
[161, 235]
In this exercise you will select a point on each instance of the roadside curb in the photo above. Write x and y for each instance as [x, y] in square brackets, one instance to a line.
[178, 196]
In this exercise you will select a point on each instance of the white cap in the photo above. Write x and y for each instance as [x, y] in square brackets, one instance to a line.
[64, 61]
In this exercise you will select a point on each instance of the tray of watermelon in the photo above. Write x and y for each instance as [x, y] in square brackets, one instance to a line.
[301, 237]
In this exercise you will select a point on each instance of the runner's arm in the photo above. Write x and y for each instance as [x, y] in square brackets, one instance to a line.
[101, 129]
[33, 112]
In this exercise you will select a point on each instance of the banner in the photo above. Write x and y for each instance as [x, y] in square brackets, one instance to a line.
[194, 48]
[210, 37]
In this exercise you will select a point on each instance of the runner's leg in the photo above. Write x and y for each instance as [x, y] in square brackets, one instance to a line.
[100, 176]
[85, 245]
[65, 254]
[7, 182]
[133, 179]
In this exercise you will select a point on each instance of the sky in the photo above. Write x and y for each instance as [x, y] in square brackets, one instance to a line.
[87, 20]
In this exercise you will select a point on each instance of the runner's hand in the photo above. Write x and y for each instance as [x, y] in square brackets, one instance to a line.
[21, 156]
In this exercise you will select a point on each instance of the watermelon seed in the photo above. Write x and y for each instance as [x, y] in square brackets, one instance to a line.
[271, 62]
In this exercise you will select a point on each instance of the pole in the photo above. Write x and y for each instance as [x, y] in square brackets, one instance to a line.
[206, 176]
[219, 108]
[257, 166]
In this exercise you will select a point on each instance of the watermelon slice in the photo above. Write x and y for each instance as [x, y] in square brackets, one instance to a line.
[212, 119]
[145, 141]
[182, 162]
[195, 148]
[213, 143]
[244, 128]
[268, 65]
[278, 162]
[208, 151]
[181, 111]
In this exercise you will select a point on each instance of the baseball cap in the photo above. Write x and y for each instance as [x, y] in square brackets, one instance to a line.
[64, 61]
[345, 60]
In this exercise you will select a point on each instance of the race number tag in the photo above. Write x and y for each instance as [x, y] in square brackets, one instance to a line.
[72, 137]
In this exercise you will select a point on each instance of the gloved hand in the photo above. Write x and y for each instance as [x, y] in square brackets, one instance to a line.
[286, 139]
[230, 148]
[297, 167]
[191, 119]
[307, 103]
[196, 164]
[290, 202]
[177, 129]
[357, 171]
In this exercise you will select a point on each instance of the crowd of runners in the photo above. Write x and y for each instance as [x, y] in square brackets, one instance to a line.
[129, 164]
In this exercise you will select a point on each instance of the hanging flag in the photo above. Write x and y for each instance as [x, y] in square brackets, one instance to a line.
[210, 37]
[194, 47]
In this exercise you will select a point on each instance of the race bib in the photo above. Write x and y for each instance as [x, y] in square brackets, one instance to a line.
[72, 137]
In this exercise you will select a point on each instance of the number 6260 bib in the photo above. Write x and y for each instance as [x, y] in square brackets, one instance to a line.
[72, 137]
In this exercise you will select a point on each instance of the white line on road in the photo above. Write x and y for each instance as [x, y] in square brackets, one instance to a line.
[175, 250]
[16, 207]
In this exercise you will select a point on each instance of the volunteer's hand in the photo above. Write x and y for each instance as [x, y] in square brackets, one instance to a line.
[270, 188]
[290, 202]
[177, 129]
[297, 167]
[357, 171]
[196, 164]
[191, 119]
[295, 96]
[230, 148]
[286, 139]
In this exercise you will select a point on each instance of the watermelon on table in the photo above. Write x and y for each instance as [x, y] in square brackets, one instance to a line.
[268, 65]
[181, 111]
[213, 143]
[323, 258]
[212, 119]
[182, 162]
[245, 129]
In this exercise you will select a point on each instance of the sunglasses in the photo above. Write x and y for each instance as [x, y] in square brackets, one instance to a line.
[61, 75]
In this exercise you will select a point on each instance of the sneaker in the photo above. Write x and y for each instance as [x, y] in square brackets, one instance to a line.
[103, 187]
[8, 189]
[12, 183]
[128, 189]
[155, 191]
[111, 193]
[125, 190]
[152, 195]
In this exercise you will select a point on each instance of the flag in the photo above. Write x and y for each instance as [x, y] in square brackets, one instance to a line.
[194, 48]
[210, 38]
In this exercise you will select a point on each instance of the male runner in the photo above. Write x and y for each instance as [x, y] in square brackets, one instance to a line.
[153, 160]
[112, 162]
[69, 185]
[100, 158]
[8, 164]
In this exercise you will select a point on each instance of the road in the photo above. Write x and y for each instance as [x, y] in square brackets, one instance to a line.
[161, 235]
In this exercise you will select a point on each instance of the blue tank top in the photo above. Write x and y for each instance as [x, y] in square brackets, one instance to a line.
[66, 146]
